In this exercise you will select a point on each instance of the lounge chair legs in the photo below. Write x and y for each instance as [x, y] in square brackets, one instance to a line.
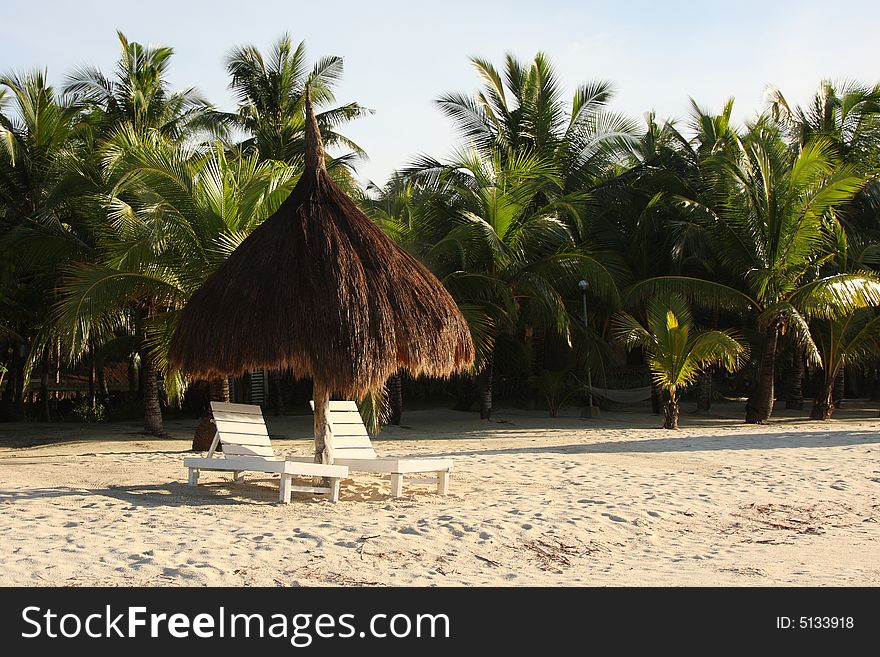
[284, 489]
[443, 482]
[396, 484]
[238, 476]
[193, 477]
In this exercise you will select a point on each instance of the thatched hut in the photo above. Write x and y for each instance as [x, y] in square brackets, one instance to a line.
[320, 290]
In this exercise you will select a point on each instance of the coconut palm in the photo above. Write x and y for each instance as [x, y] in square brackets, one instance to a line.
[37, 128]
[642, 215]
[769, 231]
[504, 255]
[172, 217]
[522, 110]
[676, 353]
[847, 340]
[850, 340]
[847, 113]
[271, 103]
[138, 95]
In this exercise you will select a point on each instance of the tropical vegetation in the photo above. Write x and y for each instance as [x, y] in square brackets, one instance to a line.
[675, 352]
[741, 259]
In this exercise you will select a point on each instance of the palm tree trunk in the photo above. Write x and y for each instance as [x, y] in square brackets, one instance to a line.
[57, 360]
[794, 393]
[537, 340]
[93, 396]
[759, 407]
[485, 386]
[323, 446]
[874, 386]
[838, 391]
[656, 399]
[7, 354]
[220, 390]
[395, 399]
[152, 409]
[103, 390]
[704, 390]
[19, 393]
[9, 391]
[823, 404]
[206, 429]
[671, 410]
[133, 378]
[44, 385]
[277, 396]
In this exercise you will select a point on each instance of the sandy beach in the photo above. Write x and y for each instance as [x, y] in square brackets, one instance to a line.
[533, 501]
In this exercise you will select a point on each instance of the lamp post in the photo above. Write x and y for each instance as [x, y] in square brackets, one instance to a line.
[590, 411]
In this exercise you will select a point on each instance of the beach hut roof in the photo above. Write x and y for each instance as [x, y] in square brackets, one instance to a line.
[319, 289]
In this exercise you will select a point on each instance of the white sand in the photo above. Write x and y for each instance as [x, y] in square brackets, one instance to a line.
[534, 501]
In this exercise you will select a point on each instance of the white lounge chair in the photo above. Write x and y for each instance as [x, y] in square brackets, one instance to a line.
[246, 448]
[352, 447]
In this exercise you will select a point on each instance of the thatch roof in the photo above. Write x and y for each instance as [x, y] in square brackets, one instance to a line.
[320, 290]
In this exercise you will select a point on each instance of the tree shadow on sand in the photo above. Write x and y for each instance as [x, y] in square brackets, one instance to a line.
[257, 491]
[672, 444]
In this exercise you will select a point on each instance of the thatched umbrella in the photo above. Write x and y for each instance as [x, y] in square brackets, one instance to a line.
[320, 290]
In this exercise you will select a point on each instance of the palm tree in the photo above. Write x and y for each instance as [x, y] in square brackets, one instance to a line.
[37, 130]
[502, 254]
[674, 351]
[642, 214]
[844, 341]
[850, 339]
[847, 113]
[270, 91]
[769, 232]
[138, 95]
[173, 216]
[523, 111]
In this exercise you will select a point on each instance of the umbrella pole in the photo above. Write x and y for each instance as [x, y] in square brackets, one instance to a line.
[323, 446]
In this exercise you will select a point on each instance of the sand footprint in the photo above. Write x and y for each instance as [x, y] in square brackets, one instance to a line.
[615, 518]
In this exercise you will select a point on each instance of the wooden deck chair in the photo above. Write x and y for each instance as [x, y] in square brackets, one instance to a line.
[352, 447]
[246, 448]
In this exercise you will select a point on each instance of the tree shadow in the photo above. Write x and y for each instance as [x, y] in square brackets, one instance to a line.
[173, 494]
[734, 442]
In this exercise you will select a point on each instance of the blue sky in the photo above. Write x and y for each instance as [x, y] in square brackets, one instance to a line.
[399, 56]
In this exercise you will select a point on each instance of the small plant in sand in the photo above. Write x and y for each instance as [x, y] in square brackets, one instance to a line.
[676, 353]
[556, 388]
[85, 412]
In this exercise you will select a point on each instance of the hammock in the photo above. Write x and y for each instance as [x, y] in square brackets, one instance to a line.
[617, 395]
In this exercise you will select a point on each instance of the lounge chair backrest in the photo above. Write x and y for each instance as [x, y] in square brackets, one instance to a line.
[242, 430]
[349, 435]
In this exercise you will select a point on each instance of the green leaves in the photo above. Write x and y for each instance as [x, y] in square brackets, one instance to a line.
[138, 95]
[837, 295]
[271, 95]
[701, 293]
[675, 352]
[522, 111]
